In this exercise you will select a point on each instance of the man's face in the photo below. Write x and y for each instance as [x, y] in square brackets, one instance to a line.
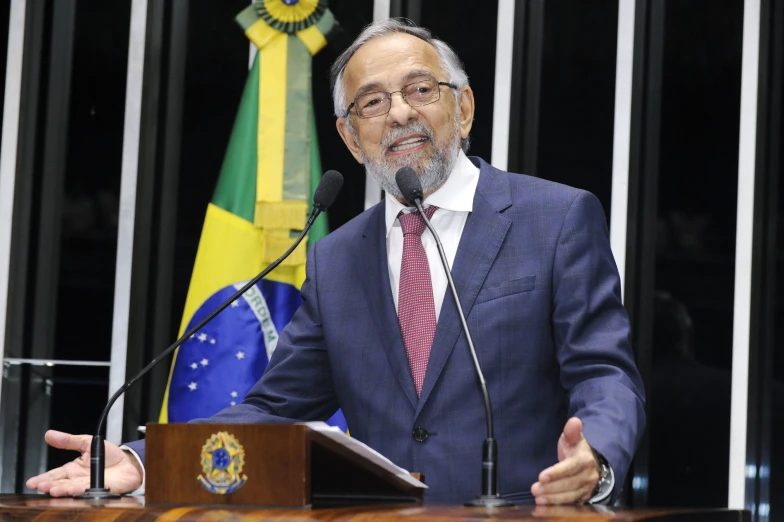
[426, 138]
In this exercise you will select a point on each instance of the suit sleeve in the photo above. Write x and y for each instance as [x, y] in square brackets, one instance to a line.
[592, 332]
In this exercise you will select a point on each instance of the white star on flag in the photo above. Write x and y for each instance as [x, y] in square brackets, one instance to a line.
[192, 386]
[235, 304]
[240, 355]
[194, 365]
[234, 394]
[212, 341]
[202, 337]
[205, 362]
[233, 403]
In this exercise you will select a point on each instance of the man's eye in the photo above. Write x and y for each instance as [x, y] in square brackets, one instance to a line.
[371, 103]
[423, 90]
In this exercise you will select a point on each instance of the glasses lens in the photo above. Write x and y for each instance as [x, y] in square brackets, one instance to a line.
[372, 104]
[422, 93]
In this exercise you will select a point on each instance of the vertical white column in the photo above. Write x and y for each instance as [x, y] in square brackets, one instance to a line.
[380, 10]
[130, 164]
[619, 202]
[372, 188]
[11, 100]
[747, 157]
[502, 89]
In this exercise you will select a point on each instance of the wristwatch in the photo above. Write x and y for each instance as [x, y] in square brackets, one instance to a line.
[604, 472]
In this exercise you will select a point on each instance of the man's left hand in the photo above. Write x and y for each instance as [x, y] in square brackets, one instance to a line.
[575, 476]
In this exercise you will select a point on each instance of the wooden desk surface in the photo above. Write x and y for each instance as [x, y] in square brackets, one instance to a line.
[130, 509]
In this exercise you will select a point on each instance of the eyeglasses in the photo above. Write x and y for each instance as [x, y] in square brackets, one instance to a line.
[417, 94]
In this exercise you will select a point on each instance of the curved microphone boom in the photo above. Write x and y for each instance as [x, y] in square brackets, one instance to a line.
[411, 188]
[323, 197]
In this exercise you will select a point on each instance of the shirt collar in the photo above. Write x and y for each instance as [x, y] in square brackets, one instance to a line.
[456, 194]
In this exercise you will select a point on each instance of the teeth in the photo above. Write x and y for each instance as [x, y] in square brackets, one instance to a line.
[408, 144]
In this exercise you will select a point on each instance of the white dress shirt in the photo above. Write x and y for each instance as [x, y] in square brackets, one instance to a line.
[455, 200]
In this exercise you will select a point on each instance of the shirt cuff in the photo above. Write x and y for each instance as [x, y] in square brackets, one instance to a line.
[603, 496]
[140, 490]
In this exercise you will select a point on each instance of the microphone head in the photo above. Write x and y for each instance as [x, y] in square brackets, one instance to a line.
[327, 190]
[409, 184]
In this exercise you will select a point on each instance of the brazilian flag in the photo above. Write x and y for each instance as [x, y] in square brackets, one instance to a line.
[262, 199]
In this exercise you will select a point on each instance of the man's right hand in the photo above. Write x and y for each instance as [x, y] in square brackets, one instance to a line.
[123, 473]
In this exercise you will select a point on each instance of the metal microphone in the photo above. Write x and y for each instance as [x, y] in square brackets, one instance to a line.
[323, 197]
[411, 188]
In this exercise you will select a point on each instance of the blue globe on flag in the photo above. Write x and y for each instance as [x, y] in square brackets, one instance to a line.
[219, 364]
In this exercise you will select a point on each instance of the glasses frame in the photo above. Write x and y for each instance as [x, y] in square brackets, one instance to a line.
[402, 94]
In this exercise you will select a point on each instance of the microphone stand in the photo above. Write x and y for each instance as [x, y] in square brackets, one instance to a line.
[97, 491]
[490, 496]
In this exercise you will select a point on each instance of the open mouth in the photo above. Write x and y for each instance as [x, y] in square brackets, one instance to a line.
[408, 144]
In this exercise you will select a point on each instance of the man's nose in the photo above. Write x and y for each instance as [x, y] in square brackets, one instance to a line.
[400, 112]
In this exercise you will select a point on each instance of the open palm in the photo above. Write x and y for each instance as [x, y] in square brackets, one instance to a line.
[123, 474]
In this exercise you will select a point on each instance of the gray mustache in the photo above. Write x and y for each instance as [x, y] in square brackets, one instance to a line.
[399, 132]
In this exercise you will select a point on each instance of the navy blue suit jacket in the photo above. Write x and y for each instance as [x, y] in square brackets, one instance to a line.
[541, 293]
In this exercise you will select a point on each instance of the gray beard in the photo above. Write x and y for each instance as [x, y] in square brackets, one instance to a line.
[433, 171]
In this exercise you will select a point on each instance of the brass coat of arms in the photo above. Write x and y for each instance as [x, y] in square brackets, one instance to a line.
[222, 458]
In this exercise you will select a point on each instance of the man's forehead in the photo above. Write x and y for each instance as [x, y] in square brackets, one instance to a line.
[388, 59]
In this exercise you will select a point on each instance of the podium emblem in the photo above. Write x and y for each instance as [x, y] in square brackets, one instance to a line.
[222, 458]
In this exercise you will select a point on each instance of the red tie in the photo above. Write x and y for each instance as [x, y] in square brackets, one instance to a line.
[416, 310]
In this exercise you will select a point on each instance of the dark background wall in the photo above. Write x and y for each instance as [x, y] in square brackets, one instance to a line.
[564, 57]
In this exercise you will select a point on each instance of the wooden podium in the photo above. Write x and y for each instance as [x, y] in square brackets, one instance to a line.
[287, 465]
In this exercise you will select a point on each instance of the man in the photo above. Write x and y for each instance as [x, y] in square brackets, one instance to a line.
[378, 333]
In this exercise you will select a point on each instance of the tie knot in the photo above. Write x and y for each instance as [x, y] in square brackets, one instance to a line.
[412, 223]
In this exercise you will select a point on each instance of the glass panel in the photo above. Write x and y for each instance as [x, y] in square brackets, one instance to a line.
[9, 421]
[447, 21]
[90, 208]
[73, 232]
[41, 398]
[774, 401]
[577, 100]
[689, 403]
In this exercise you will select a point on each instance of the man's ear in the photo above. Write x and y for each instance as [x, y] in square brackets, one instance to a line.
[348, 138]
[466, 101]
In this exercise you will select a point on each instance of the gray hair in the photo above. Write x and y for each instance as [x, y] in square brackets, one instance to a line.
[449, 61]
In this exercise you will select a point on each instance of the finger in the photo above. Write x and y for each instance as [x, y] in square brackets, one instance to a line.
[566, 497]
[567, 468]
[66, 441]
[573, 431]
[584, 480]
[47, 485]
[70, 487]
[49, 476]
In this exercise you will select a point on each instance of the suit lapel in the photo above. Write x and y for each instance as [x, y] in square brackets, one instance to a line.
[482, 237]
[374, 275]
